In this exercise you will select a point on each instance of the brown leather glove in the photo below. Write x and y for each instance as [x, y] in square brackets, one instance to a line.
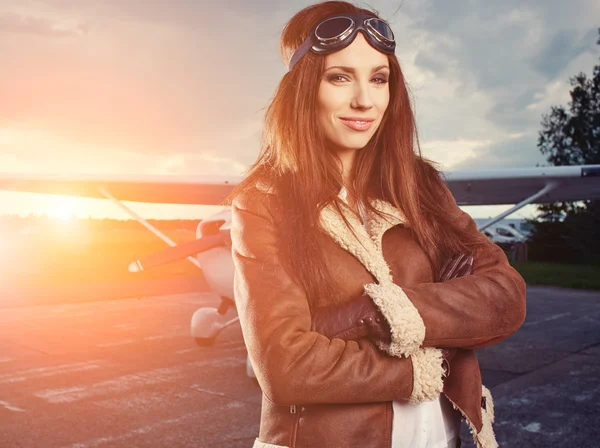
[458, 266]
[356, 319]
[360, 318]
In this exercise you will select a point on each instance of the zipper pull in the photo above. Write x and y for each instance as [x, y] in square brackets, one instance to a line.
[293, 409]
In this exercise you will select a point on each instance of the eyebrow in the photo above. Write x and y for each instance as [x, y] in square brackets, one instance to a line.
[353, 70]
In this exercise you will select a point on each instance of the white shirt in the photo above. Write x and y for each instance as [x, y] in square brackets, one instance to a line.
[431, 424]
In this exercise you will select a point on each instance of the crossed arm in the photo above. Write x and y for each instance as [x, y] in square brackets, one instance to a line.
[361, 318]
[477, 300]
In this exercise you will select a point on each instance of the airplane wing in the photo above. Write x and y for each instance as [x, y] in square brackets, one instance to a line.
[512, 186]
[206, 190]
[487, 187]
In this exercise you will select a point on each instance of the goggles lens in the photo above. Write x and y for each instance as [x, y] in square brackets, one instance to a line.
[381, 28]
[332, 28]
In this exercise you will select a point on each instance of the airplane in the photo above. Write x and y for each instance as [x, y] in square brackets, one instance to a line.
[509, 232]
[505, 235]
[211, 250]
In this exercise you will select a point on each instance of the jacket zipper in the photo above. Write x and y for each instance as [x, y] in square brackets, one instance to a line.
[294, 410]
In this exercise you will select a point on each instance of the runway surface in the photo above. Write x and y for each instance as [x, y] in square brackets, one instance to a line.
[126, 373]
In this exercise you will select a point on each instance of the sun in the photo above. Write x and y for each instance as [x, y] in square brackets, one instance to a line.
[62, 209]
[62, 214]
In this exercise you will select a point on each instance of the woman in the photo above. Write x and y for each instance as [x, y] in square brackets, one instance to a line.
[340, 234]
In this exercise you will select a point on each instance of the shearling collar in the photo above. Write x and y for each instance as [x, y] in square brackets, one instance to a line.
[374, 224]
[370, 233]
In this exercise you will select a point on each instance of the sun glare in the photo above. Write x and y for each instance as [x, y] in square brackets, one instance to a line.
[62, 209]
[62, 214]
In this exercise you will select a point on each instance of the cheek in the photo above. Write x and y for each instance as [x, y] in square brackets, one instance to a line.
[383, 100]
[328, 105]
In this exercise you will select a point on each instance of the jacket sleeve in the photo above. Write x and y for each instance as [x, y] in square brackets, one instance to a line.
[293, 364]
[477, 310]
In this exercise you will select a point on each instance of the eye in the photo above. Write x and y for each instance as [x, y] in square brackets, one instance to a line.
[337, 78]
[380, 80]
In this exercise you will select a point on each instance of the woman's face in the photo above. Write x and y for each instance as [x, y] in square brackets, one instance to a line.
[353, 95]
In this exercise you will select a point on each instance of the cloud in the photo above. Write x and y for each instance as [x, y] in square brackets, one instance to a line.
[17, 24]
[560, 50]
[190, 14]
[151, 77]
[489, 70]
[513, 151]
[513, 114]
[451, 153]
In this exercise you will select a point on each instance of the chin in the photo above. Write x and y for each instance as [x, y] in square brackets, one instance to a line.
[358, 142]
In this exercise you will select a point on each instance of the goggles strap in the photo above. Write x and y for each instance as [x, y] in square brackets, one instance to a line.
[300, 51]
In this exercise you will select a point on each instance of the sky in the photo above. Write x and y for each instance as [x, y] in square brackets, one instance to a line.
[181, 87]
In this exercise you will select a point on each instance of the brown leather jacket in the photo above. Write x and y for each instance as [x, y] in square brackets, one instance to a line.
[321, 392]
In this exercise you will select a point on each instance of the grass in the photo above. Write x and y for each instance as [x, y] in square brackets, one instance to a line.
[562, 275]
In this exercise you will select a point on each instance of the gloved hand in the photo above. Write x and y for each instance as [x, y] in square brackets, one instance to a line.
[458, 266]
[353, 320]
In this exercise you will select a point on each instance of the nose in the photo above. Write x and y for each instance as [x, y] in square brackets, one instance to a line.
[362, 96]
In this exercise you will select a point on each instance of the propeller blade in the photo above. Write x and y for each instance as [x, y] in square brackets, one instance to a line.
[177, 253]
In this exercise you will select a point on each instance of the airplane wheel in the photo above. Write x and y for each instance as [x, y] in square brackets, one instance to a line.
[205, 342]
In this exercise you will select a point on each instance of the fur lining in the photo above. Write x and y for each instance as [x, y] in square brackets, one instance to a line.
[259, 444]
[485, 392]
[427, 375]
[408, 329]
[486, 437]
[378, 225]
[363, 248]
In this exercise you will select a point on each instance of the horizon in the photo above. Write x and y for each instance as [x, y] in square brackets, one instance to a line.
[67, 219]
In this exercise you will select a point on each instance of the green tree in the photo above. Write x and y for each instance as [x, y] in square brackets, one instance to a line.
[570, 231]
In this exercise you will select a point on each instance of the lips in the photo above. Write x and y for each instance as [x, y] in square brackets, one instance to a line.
[357, 124]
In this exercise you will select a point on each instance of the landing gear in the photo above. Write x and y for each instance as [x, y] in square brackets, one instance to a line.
[207, 323]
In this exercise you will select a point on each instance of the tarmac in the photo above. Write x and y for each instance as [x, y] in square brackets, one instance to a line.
[126, 373]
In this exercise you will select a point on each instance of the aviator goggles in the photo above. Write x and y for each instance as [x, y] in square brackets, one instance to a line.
[337, 32]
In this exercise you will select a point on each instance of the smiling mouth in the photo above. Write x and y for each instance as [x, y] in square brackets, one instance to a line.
[356, 124]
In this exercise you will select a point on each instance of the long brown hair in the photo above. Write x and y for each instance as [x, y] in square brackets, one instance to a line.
[294, 160]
